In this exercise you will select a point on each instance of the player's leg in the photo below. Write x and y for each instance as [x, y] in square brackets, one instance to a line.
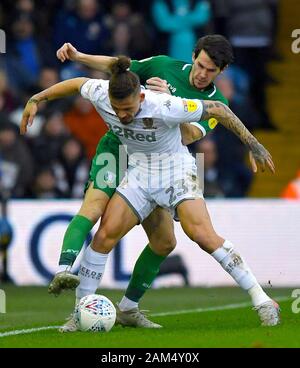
[91, 210]
[96, 198]
[196, 223]
[117, 220]
[160, 231]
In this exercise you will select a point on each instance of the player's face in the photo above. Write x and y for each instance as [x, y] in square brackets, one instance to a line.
[128, 107]
[204, 71]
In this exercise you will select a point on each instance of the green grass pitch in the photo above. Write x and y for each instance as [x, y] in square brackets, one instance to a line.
[183, 326]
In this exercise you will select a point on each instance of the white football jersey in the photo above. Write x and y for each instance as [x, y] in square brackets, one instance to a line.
[154, 133]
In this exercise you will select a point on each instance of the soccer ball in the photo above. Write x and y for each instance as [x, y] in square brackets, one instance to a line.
[95, 313]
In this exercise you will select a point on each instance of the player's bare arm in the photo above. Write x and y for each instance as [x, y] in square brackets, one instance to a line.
[97, 62]
[258, 153]
[190, 133]
[62, 89]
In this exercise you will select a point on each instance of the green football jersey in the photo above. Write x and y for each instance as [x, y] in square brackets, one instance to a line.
[177, 73]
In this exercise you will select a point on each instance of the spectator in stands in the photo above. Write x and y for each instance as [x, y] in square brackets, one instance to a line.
[26, 53]
[180, 19]
[249, 27]
[132, 35]
[230, 148]
[84, 28]
[46, 147]
[212, 187]
[292, 190]
[83, 112]
[220, 181]
[8, 102]
[44, 185]
[16, 161]
[71, 170]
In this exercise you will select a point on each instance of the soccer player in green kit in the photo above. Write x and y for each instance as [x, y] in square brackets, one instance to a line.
[211, 55]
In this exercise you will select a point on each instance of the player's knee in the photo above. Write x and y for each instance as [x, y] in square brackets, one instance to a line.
[104, 241]
[165, 246]
[93, 211]
[208, 241]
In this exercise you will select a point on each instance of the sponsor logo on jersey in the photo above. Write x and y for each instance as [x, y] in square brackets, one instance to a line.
[148, 123]
[189, 105]
[131, 134]
[212, 122]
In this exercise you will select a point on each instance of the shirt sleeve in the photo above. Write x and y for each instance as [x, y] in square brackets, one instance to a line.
[93, 90]
[177, 110]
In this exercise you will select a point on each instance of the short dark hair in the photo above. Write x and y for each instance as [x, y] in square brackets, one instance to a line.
[217, 47]
[123, 82]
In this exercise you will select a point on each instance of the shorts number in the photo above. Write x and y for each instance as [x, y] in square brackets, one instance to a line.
[179, 183]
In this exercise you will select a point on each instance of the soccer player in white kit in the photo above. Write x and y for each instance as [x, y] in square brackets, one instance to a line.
[148, 123]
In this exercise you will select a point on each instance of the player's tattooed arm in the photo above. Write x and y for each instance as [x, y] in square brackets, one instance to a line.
[59, 90]
[258, 154]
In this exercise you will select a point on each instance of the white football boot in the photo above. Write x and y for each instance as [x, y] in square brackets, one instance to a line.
[269, 313]
[134, 318]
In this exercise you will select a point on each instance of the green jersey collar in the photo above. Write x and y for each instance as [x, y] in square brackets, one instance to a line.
[211, 88]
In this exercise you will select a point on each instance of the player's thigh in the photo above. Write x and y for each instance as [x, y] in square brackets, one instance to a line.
[196, 223]
[117, 220]
[159, 228]
[94, 203]
[103, 178]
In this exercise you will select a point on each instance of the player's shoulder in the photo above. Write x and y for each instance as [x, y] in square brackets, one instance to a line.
[94, 89]
[157, 59]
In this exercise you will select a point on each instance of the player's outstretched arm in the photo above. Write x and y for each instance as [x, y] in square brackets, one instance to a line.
[62, 89]
[97, 62]
[258, 154]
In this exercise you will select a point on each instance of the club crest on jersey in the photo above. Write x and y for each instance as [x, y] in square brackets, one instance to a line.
[148, 123]
[189, 105]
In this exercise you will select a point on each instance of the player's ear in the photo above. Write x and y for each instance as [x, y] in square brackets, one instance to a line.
[193, 57]
[142, 97]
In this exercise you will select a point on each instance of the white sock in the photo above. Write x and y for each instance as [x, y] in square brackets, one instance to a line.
[127, 304]
[90, 272]
[257, 295]
[62, 268]
[234, 264]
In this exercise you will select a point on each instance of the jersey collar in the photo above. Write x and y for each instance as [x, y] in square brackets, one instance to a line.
[211, 88]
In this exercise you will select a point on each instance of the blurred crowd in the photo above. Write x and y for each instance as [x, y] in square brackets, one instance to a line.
[53, 160]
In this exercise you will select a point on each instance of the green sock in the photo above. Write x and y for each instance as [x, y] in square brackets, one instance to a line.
[74, 238]
[145, 270]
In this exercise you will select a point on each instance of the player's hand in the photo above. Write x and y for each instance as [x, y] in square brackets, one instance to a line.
[67, 52]
[158, 85]
[29, 113]
[259, 156]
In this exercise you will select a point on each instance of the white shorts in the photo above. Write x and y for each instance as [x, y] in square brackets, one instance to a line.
[143, 199]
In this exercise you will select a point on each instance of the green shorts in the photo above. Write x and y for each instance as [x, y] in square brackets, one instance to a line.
[104, 171]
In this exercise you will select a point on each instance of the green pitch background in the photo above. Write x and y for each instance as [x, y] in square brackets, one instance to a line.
[32, 307]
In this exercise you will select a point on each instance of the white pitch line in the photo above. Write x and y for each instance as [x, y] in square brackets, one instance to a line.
[213, 309]
[171, 313]
[27, 331]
